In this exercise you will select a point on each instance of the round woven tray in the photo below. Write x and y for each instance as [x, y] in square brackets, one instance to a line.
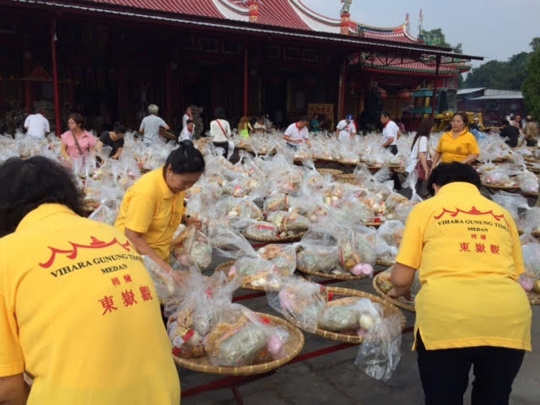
[344, 276]
[374, 224]
[394, 301]
[333, 172]
[293, 347]
[386, 263]
[225, 267]
[534, 298]
[346, 178]
[353, 338]
[287, 239]
[349, 162]
[505, 188]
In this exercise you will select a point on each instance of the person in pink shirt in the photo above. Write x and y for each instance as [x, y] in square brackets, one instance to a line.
[77, 142]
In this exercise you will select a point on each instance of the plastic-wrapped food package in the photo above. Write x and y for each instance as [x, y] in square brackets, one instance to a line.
[389, 237]
[256, 271]
[289, 221]
[192, 247]
[379, 353]
[514, 203]
[247, 340]
[528, 182]
[163, 280]
[358, 250]
[300, 300]
[318, 251]
[276, 202]
[282, 256]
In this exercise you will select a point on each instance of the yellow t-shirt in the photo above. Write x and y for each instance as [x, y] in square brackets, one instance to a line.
[468, 254]
[457, 150]
[79, 313]
[152, 209]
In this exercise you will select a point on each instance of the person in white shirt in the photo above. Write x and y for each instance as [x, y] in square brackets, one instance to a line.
[188, 115]
[151, 125]
[420, 156]
[346, 129]
[36, 125]
[188, 131]
[220, 131]
[297, 133]
[390, 133]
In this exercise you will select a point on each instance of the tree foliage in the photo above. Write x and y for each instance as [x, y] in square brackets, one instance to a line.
[508, 75]
[436, 38]
[531, 85]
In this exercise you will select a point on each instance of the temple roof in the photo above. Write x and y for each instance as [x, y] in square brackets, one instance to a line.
[277, 13]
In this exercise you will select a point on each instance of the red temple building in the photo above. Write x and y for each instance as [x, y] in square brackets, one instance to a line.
[110, 58]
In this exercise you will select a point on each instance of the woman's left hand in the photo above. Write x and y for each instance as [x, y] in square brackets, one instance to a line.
[396, 293]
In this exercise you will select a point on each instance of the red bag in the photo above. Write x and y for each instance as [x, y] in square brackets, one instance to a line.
[421, 172]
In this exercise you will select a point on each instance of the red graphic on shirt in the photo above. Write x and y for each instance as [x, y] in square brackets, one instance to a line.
[146, 293]
[480, 248]
[128, 298]
[472, 211]
[115, 281]
[127, 278]
[464, 247]
[494, 249]
[75, 247]
[107, 303]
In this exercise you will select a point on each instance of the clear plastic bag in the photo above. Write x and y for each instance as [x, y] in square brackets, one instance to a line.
[192, 247]
[379, 353]
[300, 300]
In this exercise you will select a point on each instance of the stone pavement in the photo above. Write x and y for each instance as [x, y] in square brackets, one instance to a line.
[333, 379]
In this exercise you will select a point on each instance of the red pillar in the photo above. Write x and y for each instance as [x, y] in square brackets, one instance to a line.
[342, 89]
[434, 98]
[58, 120]
[246, 82]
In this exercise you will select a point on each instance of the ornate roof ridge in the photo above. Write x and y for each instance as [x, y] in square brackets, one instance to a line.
[234, 6]
[300, 6]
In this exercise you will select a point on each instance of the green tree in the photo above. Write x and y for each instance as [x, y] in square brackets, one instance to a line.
[535, 43]
[531, 85]
[493, 74]
[434, 38]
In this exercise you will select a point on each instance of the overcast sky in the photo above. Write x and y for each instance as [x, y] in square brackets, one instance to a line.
[494, 29]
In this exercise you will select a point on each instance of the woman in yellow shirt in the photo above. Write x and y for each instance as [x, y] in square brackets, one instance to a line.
[457, 145]
[470, 310]
[153, 208]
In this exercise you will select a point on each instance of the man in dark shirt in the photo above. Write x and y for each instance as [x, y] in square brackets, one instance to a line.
[510, 134]
[114, 139]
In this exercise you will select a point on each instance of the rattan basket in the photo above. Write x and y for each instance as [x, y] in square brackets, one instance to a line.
[225, 267]
[504, 188]
[339, 276]
[534, 298]
[353, 338]
[385, 263]
[346, 178]
[333, 172]
[398, 303]
[286, 239]
[293, 347]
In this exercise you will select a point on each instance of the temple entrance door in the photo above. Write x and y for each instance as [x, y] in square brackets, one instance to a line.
[275, 101]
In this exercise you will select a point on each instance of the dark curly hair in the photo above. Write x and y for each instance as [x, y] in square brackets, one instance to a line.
[446, 173]
[27, 184]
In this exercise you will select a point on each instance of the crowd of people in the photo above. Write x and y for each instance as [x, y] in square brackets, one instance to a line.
[64, 285]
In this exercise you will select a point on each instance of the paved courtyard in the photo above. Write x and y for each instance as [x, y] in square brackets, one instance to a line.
[333, 379]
